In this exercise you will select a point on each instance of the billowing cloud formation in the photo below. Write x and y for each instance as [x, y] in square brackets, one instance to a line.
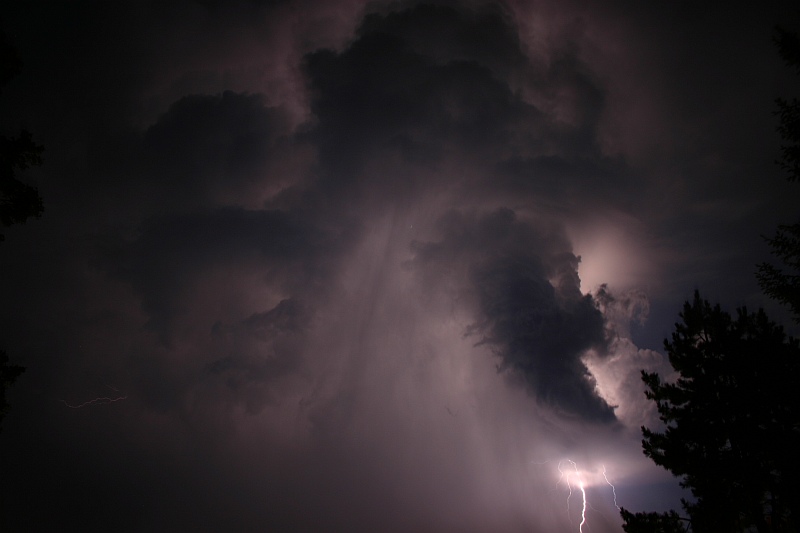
[259, 350]
[212, 146]
[326, 253]
[395, 112]
[164, 261]
[531, 310]
[430, 84]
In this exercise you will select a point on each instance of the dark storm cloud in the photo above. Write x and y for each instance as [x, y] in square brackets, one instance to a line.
[260, 349]
[541, 332]
[531, 309]
[432, 82]
[212, 145]
[302, 237]
[415, 88]
[564, 176]
[164, 261]
[404, 88]
[218, 3]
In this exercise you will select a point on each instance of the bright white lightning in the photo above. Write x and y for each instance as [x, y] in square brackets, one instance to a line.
[96, 400]
[580, 486]
[572, 471]
[583, 510]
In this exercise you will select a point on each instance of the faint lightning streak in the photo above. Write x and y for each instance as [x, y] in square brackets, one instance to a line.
[569, 485]
[96, 400]
[613, 489]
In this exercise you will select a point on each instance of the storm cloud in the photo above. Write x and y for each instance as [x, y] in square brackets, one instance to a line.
[530, 307]
[350, 266]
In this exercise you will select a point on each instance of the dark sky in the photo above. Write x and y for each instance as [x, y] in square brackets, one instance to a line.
[337, 265]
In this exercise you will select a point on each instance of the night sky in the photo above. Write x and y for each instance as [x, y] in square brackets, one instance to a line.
[349, 266]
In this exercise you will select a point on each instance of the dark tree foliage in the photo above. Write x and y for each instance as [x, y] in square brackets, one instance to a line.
[783, 283]
[8, 374]
[10, 64]
[789, 110]
[18, 201]
[668, 522]
[732, 421]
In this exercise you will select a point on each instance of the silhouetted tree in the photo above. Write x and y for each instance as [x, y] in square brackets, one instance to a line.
[732, 421]
[10, 63]
[8, 374]
[789, 111]
[783, 284]
[732, 418]
[669, 522]
[18, 201]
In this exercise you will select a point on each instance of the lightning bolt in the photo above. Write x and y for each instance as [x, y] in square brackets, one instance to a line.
[560, 477]
[103, 400]
[613, 489]
[583, 493]
[569, 486]
[567, 468]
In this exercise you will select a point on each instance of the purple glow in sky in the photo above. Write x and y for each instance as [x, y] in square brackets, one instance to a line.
[369, 266]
